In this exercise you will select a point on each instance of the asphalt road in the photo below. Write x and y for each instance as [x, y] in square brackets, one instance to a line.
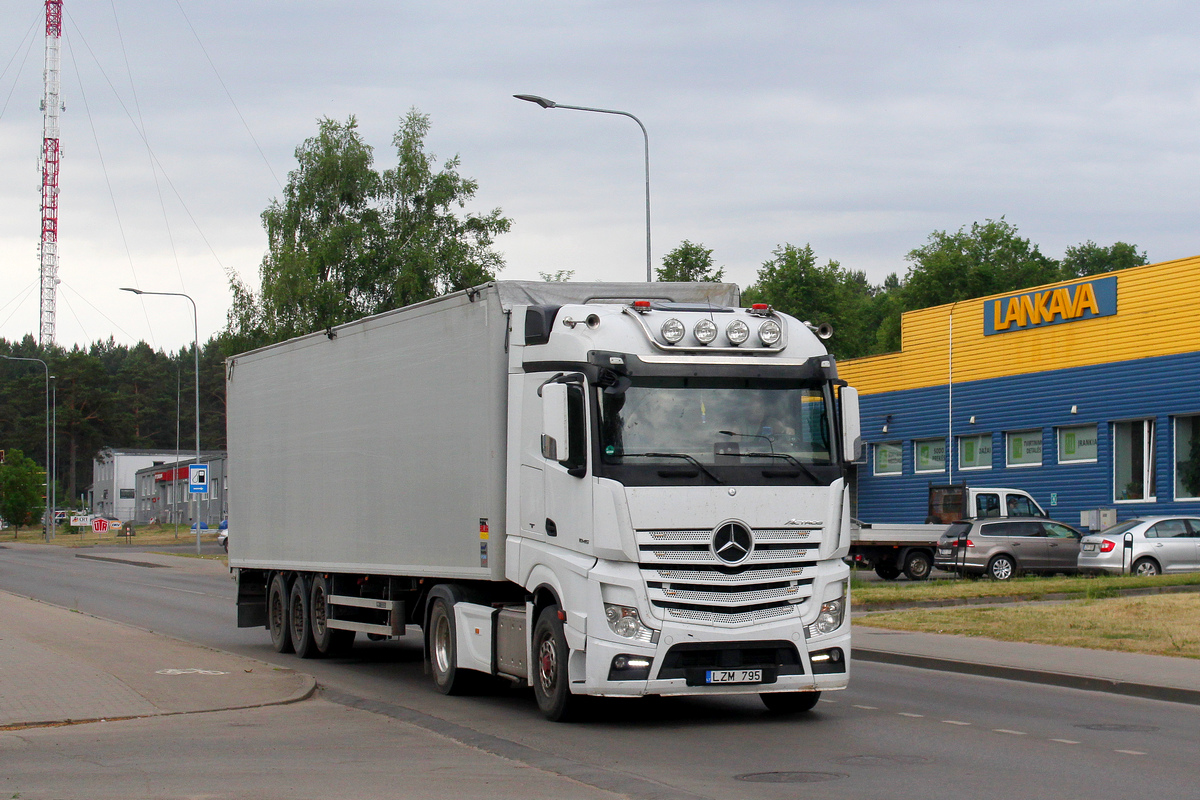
[897, 732]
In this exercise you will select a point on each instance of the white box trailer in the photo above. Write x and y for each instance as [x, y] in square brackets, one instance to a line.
[471, 465]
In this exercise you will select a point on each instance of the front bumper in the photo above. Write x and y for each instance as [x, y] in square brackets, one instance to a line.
[684, 654]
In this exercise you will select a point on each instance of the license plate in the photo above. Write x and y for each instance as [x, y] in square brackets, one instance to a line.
[1090, 546]
[945, 551]
[733, 676]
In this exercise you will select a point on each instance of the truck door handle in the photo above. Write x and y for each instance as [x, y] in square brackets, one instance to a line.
[551, 528]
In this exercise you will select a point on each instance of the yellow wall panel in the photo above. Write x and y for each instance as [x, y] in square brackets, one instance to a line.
[1158, 314]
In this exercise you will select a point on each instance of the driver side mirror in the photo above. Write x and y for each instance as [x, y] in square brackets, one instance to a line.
[851, 426]
[555, 439]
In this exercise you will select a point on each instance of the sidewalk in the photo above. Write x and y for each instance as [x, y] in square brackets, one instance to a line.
[57, 666]
[1155, 677]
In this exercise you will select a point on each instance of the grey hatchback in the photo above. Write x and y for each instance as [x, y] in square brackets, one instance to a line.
[1004, 548]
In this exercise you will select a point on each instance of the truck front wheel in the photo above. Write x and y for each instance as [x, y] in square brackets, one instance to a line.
[277, 614]
[550, 654]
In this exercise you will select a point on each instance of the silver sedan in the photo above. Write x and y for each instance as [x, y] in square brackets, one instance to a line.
[1159, 544]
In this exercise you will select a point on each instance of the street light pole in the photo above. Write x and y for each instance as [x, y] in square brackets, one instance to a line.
[544, 103]
[196, 331]
[48, 517]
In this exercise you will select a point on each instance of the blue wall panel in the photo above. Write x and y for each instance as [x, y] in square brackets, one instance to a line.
[1158, 388]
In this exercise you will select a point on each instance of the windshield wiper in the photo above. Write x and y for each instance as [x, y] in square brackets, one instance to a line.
[684, 456]
[790, 460]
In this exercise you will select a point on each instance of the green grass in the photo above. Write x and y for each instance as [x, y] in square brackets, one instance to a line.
[1163, 625]
[875, 593]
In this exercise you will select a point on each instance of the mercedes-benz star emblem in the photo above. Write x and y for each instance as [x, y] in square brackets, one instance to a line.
[732, 543]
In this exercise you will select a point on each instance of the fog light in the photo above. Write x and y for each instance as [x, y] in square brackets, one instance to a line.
[769, 332]
[705, 331]
[737, 331]
[630, 668]
[825, 662]
[672, 331]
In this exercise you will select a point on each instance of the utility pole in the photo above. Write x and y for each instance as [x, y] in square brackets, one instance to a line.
[51, 106]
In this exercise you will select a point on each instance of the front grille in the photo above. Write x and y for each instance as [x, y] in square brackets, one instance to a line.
[685, 580]
[780, 657]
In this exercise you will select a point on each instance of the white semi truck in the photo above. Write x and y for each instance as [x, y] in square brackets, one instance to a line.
[592, 489]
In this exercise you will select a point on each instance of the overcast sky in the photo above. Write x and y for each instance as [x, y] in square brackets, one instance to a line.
[858, 127]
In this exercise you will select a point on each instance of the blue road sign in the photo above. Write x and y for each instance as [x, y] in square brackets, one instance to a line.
[198, 478]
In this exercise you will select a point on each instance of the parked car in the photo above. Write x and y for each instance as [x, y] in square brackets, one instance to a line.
[1004, 548]
[223, 535]
[1160, 544]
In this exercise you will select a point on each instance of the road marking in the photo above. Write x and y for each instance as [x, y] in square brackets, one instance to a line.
[1065, 741]
[1006, 730]
[1130, 752]
[955, 722]
[914, 716]
[828, 701]
[868, 708]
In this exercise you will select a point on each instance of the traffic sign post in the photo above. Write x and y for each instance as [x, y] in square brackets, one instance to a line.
[197, 485]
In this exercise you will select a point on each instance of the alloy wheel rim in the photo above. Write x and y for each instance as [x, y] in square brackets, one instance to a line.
[547, 665]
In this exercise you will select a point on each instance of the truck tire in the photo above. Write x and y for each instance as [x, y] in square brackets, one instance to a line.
[887, 571]
[789, 702]
[550, 654]
[917, 565]
[277, 614]
[443, 651]
[300, 628]
[329, 641]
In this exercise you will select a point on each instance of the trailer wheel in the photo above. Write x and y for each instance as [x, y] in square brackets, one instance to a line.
[443, 651]
[789, 702]
[887, 571]
[329, 641]
[917, 565]
[300, 617]
[550, 653]
[277, 614]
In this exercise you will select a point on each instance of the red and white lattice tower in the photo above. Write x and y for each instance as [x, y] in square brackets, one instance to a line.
[51, 106]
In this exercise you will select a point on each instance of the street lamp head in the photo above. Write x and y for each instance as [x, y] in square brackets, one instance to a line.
[127, 289]
[533, 98]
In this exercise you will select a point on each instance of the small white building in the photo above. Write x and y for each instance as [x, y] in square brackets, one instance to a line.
[114, 489]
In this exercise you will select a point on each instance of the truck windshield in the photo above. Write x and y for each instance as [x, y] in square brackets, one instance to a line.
[726, 422]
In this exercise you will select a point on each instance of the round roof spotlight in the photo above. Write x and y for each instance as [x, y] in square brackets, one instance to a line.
[769, 333]
[672, 331]
[737, 331]
[705, 331]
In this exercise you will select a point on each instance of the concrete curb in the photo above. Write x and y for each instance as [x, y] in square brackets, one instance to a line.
[300, 695]
[1147, 691]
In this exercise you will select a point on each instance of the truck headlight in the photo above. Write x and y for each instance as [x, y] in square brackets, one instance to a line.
[625, 622]
[830, 618]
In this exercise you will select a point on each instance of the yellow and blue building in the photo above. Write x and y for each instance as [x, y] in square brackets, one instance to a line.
[1085, 393]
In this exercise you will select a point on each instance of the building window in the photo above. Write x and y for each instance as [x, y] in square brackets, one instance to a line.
[929, 455]
[1024, 449]
[889, 458]
[1187, 457]
[1133, 460]
[975, 452]
[1077, 444]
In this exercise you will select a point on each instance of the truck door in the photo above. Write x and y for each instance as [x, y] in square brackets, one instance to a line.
[567, 485]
